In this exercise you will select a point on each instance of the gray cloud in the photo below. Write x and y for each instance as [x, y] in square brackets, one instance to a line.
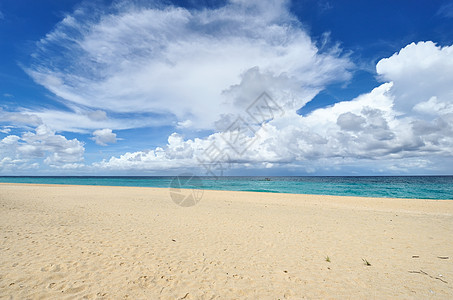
[351, 122]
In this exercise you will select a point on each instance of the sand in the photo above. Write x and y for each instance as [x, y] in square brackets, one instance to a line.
[119, 242]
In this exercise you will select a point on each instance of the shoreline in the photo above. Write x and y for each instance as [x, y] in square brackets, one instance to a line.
[213, 190]
[97, 242]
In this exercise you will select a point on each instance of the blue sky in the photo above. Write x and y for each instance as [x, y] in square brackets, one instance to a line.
[161, 87]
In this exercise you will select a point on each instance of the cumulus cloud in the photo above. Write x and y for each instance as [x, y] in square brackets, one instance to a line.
[143, 65]
[178, 63]
[406, 124]
[419, 72]
[104, 136]
[29, 149]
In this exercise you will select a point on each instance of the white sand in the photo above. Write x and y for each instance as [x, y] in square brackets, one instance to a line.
[118, 242]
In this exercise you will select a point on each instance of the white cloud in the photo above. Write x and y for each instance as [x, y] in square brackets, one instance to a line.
[26, 151]
[434, 107]
[177, 62]
[104, 136]
[130, 66]
[401, 133]
[6, 129]
[185, 124]
[419, 72]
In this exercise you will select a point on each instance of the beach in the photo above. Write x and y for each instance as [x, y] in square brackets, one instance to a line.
[95, 242]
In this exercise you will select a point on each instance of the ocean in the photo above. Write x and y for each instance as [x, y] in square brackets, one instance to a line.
[422, 187]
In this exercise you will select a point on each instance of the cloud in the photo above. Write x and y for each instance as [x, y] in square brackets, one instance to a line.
[28, 150]
[419, 72]
[19, 118]
[406, 124]
[172, 62]
[185, 124]
[135, 65]
[79, 120]
[351, 122]
[6, 129]
[84, 121]
[104, 136]
[446, 10]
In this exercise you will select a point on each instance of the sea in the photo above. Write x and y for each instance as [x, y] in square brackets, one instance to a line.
[421, 187]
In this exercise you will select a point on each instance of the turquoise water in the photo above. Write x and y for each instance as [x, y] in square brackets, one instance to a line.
[423, 187]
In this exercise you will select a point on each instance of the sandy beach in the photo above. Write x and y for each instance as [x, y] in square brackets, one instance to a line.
[92, 242]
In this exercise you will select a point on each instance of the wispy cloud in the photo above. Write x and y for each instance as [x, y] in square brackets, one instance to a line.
[79, 120]
[446, 10]
[173, 61]
[5, 129]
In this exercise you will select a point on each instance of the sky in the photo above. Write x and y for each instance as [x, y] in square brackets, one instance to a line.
[226, 87]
